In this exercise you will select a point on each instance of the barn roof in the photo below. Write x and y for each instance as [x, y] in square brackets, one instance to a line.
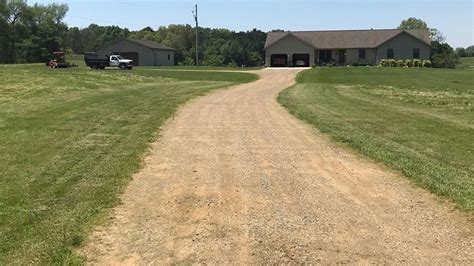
[145, 43]
[344, 39]
[151, 44]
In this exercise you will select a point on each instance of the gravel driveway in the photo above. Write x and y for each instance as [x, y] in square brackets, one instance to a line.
[236, 179]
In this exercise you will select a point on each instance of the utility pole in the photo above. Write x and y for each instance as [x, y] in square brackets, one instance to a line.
[195, 14]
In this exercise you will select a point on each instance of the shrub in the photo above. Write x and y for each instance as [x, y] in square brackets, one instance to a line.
[392, 62]
[417, 63]
[401, 63]
[409, 63]
[445, 60]
[427, 63]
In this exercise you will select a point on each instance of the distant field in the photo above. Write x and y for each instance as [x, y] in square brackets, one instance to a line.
[417, 121]
[71, 140]
[467, 62]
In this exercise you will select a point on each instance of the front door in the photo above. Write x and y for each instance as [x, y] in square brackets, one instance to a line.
[342, 57]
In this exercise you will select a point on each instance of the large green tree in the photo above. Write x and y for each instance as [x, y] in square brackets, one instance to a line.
[413, 24]
[419, 24]
[30, 33]
[442, 54]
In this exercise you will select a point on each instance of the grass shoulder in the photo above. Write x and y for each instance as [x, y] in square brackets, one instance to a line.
[71, 141]
[417, 121]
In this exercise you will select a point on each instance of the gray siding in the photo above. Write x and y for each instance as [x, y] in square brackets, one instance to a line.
[289, 45]
[352, 57]
[147, 56]
[403, 46]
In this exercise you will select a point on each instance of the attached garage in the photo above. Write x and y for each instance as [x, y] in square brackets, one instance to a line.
[279, 60]
[288, 51]
[301, 60]
[142, 52]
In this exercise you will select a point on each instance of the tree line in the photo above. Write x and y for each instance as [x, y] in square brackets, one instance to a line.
[465, 52]
[29, 33]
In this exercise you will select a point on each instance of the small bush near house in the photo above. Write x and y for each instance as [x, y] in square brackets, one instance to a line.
[426, 63]
[401, 63]
[405, 63]
[417, 63]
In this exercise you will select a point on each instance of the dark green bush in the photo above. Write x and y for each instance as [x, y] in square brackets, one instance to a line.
[445, 60]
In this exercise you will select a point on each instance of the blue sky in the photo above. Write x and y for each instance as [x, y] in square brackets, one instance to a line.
[452, 17]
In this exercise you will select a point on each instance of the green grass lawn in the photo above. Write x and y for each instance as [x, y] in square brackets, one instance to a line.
[467, 62]
[417, 121]
[207, 68]
[71, 140]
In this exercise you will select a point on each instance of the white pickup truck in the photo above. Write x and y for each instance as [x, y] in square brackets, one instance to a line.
[93, 60]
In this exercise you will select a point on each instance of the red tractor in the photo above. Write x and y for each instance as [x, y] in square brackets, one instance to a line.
[59, 61]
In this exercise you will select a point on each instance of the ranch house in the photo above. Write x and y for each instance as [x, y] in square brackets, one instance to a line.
[345, 47]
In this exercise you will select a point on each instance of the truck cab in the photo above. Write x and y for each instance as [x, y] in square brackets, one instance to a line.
[120, 62]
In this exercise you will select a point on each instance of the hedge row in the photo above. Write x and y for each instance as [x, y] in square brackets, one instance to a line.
[405, 63]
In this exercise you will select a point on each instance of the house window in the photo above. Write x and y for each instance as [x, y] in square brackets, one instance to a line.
[390, 54]
[169, 57]
[361, 53]
[416, 53]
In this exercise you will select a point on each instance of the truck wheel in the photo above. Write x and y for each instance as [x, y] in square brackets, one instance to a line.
[122, 66]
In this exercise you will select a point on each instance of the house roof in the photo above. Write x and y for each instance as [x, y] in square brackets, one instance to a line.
[145, 43]
[344, 39]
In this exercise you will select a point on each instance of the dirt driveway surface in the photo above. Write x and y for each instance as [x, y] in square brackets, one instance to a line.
[236, 179]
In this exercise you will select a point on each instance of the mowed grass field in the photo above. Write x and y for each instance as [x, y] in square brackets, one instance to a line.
[417, 121]
[71, 141]
[467, 62]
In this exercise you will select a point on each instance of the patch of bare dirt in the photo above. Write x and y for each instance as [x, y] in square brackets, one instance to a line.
[236, 179]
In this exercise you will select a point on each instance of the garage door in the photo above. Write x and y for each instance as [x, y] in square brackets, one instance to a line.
[301, 60]
[279, 60]
[131, 56]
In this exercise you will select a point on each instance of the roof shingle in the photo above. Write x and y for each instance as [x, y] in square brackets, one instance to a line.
[343, 39]
[151, 44]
